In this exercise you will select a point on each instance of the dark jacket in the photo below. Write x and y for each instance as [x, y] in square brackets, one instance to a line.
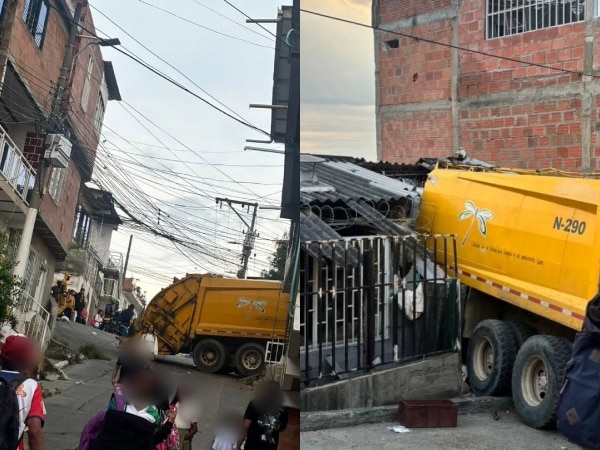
[126, 316]
[124, 431]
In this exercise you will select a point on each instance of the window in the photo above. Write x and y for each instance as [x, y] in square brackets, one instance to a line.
[87, 86]
[394, 43]
[508, 17]
[99, 115]
[35, 16]
[55, 185]
[29, 269]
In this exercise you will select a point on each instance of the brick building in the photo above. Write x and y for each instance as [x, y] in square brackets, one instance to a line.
[434, 100]
[44, 91]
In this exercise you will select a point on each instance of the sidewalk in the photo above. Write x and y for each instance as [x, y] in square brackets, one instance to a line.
[75, 402]
[474, 432]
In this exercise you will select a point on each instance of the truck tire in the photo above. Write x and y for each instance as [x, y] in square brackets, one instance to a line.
[209, 356]
[538, 377]
[250, 359]
[491, 356]
[522, 332]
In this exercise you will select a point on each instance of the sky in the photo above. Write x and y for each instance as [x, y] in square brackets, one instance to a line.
[337, 80]
[166, 155]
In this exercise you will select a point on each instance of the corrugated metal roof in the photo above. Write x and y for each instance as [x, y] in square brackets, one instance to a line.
[313, 230]
[348, 181]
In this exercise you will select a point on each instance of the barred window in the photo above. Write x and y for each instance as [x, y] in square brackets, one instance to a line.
[35, 16]
[509, 17]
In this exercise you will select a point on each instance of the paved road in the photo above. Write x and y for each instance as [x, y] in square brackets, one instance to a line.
[474, 432]
[89, 387]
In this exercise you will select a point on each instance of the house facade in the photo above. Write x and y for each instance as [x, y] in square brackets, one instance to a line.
[47, 92]
[89, 252]
[511, 83]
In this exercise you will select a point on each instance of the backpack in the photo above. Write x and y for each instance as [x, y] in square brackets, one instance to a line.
[10, 419]
[94, 426]
[578, 413]
[172, 441]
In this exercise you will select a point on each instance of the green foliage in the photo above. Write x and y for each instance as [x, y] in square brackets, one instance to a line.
[277, 260]
[90, 351]
[11, 287]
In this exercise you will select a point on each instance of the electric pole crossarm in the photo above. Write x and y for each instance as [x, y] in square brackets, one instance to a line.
[250, 238]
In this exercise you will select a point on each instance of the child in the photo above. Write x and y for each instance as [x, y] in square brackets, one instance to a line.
[227, 432]
[264, 419]
[135, 423]
[188, 413]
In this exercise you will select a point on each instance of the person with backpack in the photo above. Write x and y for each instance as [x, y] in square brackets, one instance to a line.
[21, 402]
[132, 421]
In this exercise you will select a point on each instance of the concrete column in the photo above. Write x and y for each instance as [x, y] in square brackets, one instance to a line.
[455, 65]
[587, 97]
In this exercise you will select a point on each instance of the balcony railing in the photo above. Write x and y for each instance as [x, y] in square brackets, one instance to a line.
[15, 167]
[32, 319]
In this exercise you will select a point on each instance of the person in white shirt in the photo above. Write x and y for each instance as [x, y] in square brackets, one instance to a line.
[99, 319]
[150, 342]
[188, 414]
[227, 431]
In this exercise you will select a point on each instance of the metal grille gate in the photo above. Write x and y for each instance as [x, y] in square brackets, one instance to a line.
[375, 301]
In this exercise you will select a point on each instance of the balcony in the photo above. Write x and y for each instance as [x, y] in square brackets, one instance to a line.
[15, 169]
[32, 319]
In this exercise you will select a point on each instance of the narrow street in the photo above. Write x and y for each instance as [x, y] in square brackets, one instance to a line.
[474, 432]
[86, 392]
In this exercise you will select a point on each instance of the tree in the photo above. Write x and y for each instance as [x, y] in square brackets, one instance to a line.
[11, 287]
[277, 260]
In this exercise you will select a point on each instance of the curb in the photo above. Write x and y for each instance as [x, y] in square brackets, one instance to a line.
[322, 420]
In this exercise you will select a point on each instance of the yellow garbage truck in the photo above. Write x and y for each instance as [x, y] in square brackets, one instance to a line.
[528, 251]
[220, 321]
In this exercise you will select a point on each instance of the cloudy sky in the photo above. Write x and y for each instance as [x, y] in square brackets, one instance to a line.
[166, 155]
[338, 84]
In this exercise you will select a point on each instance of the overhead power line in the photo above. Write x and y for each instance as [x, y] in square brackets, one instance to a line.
[166, 11]
[447, 45]
[253, 20]
[166, 62]
[232, 21]
[157, 72]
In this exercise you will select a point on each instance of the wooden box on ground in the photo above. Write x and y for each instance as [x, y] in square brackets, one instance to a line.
[428, 413]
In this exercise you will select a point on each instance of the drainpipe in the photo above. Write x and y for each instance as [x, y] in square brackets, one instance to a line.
[36, 194]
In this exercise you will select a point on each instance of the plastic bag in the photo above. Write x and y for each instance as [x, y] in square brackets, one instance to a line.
[414, 301]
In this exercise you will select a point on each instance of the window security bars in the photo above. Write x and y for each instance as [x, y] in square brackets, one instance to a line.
[510, 17]
[35, 16]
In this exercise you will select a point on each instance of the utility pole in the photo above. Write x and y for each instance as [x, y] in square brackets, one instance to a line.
[38, 187]
[127, 257]
[251, 235]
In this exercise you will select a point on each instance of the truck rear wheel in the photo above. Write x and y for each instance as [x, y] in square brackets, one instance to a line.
[491, 356]
[537, 378]
[522, 332]
[250, 359]
[209, 356]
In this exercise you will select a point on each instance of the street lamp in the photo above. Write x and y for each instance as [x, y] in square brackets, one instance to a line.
[112, 42]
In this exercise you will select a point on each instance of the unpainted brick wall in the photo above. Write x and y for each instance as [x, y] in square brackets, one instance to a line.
[34, 148]
[534, 136]
[493, 123]
[392, 10]
[416, 71]
[290, 438]
[410, 136]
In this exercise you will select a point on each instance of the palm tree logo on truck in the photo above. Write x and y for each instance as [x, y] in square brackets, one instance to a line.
[259, 305]
[481, 216]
